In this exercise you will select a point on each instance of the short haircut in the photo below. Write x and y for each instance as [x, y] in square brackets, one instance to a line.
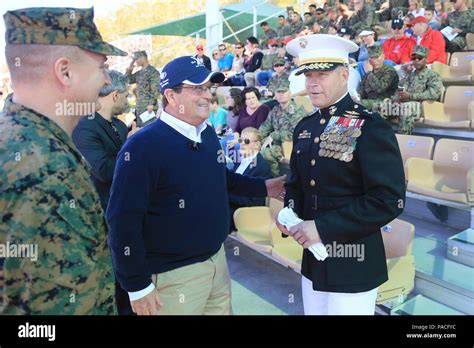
[307, 13]
[222, 45]
[119, 83]
[253, 40]
[313, 6]
[30, 63]
[263, 24]
[250, 90]
[281, 16]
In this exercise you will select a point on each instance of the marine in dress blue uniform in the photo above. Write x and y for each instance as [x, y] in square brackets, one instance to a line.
[346, 183]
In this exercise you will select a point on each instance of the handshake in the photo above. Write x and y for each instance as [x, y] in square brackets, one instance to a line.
[296, 228]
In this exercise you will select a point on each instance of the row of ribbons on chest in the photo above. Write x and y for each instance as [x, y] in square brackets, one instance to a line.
[339, 138]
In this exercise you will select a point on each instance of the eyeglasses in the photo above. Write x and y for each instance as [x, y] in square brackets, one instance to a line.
[222, 49]
[277, 65]
[202, 89]
[246, 141]
[238, 47]
[417, 58]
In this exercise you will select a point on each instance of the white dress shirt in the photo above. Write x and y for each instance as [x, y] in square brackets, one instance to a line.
[192, 133]
[245, 163]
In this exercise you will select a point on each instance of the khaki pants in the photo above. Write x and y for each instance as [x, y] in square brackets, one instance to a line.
[197, 289]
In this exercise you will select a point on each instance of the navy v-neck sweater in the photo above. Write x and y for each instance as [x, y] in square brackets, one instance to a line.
[169, 203]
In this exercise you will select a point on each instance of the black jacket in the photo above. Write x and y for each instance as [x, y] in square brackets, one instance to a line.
[349, 201]
[207, 61]
[98, 143]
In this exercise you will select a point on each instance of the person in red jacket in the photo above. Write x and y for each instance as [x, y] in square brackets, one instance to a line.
[399, 47]
[430, 38]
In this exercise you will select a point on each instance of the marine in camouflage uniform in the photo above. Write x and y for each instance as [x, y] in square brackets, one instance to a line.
[47, 198]
[419, 85]
[279, 125]
[365, 18]
[463, 20]
[276, 79]
[378, 84]
[148, 85]
[396, 9]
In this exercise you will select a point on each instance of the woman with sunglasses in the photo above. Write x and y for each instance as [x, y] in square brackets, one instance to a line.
[215, 59]
[237, 64]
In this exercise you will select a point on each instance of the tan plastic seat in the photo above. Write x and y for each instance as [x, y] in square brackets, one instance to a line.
[287, 147]
[305, 102]
[415, 146]
[449, 176]
[470, 41]
[459, 71]
[286, 250]
[398, 242]
[455, 112]
[254, 223]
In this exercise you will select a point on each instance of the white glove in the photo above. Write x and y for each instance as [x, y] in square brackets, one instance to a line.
[288, 218]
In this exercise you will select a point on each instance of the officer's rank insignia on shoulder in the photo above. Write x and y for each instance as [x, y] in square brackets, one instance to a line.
[304, 135]
[339, 138]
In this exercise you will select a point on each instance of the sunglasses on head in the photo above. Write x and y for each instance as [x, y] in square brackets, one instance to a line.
[246, 141]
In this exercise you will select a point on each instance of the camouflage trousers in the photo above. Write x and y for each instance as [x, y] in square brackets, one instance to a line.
[406, 113]
[273, 155]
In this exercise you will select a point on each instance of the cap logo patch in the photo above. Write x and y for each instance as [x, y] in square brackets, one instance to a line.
[303, 42]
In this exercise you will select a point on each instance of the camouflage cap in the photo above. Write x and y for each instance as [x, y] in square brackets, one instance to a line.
[375, 51]
[57, 26]
[279, 61]
[139, 54]
[421, 51]
[283, 85]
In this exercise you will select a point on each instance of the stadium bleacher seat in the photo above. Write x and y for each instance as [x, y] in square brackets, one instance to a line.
[449, 176]
[398, 242]
[415, 146]
[454, 112]
[286, 250]
[459, 71]
[470, 41]
[254, 224]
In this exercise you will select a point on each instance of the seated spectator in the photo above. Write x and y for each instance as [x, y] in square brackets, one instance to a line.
[252, 164]
[237, 64]
[253, 61]
[283, 30]
[226, 58]
[368, 39]
[415, 7]
[378, 84]
[218, 116]
[308, 19]
[439, 13]
[296, 25]
[321, 19]
[265, 70]
[419, 85]
[431, 39]
[408, 25]
[215, 60]
[233, 101]
[332, 29]
[281, 73]
[398, 48]
[254, 113]
[269, 33]
[200, 56]
[461, 20]
[332, 17]
[280, 124]
[431, 20]
[363, 17]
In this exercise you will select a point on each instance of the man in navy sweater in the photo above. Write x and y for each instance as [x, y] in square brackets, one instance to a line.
[167, 229]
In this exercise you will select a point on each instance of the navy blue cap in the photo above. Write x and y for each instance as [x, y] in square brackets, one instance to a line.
[188, 70]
